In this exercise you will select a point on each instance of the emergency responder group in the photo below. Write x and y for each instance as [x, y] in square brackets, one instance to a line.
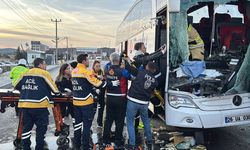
[87, 88]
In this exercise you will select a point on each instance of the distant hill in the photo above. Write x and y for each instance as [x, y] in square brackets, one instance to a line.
[7, 51]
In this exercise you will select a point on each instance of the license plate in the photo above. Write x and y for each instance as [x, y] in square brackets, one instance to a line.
[232, 119]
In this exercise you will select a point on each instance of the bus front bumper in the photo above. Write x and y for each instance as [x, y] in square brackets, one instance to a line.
[196, 118]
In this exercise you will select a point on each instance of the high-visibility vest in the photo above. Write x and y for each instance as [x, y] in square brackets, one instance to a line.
[17, 72]
[194, 38]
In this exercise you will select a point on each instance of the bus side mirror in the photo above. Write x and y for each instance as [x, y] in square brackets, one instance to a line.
[174, 5]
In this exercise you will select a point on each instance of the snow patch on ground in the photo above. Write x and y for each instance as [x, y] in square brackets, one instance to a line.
[50, 139]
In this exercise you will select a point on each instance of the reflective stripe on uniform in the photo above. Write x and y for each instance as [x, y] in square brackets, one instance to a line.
[105, 83]
[26, 135]
[195, 46]
[137, 100]
[83, 98]
[35, 101]
[78, 126]
[113, 94]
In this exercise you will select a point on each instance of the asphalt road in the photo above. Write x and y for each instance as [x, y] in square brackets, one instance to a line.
[230, 138]
[53, 71]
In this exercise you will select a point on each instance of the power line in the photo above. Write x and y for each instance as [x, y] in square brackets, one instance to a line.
[21, 12]
[49, 9]
[16, 12]
[55, 16]
[25, 14]
[51, 13]
[64, 32]
[23, 8]
[19, 9]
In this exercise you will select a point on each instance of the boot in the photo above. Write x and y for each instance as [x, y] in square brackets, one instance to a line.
[149, 146]
[45, 146]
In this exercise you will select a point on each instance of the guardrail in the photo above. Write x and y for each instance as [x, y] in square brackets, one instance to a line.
[8, 84]
[7, 67]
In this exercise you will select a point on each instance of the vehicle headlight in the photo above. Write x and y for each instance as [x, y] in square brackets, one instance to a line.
[180, 101]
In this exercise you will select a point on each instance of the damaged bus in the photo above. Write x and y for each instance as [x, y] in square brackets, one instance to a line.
[211, 93]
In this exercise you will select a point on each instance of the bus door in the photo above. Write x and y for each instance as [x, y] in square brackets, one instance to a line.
[161, 38]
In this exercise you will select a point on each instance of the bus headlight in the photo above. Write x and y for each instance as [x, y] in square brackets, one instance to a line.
[180, 101]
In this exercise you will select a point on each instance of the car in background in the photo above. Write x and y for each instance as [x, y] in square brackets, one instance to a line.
[99, 58]
[5, 63]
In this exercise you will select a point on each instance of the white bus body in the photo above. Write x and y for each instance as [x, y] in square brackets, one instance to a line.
[156, 22]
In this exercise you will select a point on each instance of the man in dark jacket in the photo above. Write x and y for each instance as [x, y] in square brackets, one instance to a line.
[141, 57]
[116, 100]
[138, 100]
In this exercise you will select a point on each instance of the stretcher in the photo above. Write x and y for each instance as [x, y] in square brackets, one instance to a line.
[10, 97]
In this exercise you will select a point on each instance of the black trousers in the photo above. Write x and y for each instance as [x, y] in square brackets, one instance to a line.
[84, 116]
[67, 108]
[100, 107]
[39, 117]
[115, 112]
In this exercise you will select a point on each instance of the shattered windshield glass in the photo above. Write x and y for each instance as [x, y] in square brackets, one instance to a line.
[242, 83]
[226, 62]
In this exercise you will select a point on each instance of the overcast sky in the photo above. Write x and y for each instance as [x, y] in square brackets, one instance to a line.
[87, 23]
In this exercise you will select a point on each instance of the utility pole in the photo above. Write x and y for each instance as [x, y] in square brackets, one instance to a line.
[56, 21]
[72, 52]
[67, 45]
[67, 39]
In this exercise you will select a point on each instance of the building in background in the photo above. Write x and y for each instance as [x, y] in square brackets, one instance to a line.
[33, 54]
[87, 50]
[63, 54]
[38, 46]
[105, 52]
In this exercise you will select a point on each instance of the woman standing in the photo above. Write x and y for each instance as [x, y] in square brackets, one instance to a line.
[64, 84]
[96, 69]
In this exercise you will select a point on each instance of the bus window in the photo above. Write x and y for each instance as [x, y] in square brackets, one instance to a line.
[202, 23]
[232, 10]
[200, 13]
